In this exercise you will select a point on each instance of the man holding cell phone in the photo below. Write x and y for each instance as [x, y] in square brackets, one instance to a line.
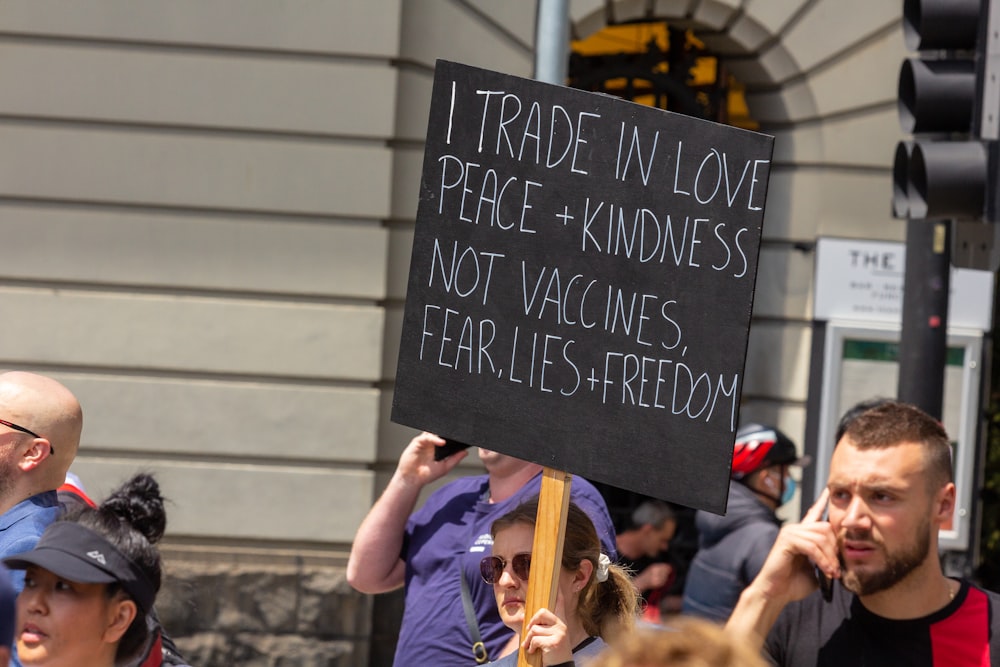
[450, 614]
[889, 491]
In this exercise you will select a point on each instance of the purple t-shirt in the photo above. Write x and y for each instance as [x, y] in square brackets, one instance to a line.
[453, 527]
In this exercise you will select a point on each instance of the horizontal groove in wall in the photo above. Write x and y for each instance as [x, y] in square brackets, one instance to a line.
[153, 45]
[249, 214]
[215, 294]
[252, 552]
[191, 130]
[151, 458]
[167, 374]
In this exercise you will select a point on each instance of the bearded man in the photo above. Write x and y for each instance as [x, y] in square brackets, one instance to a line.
[889, 492]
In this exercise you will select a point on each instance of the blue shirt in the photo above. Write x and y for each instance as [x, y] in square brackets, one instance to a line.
[23, 524]
[20, 529]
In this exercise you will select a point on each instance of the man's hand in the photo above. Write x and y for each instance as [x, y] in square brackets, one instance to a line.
[788, 574]
[417, 465]
[374, 565]
[654, 576]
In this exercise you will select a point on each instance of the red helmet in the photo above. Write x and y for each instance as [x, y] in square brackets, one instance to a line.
[758, 446]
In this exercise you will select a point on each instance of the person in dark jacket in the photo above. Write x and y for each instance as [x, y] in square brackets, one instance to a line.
[732, 548]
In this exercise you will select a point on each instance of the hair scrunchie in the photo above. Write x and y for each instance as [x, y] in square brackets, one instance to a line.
[603, 563]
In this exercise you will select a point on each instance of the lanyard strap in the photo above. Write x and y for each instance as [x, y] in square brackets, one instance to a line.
[478, 647]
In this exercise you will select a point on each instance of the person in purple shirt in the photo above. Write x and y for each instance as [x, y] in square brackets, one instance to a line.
[431, 551]
[40, 425]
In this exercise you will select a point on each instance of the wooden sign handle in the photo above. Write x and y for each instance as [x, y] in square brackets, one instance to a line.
[546, 551]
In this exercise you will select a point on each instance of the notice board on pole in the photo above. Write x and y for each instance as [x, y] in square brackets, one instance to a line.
[581, 283]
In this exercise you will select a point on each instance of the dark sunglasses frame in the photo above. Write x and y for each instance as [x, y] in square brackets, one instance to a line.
[18, 428]
[14, 426]
[491, 568]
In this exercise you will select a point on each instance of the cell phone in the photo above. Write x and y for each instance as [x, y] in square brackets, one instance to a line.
[825, 582]
[448, 448]
[825, 585]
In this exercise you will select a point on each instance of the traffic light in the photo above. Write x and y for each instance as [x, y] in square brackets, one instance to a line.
[949, 99]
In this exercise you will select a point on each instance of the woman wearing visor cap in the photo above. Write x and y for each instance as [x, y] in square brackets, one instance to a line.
[91, 581]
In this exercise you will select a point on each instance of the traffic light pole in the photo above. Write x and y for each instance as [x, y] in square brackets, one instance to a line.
[923, 345]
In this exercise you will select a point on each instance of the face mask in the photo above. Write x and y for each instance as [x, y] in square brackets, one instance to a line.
[789, 490]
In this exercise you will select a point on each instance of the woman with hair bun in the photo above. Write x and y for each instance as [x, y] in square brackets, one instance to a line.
[595, 602]
[91, 581]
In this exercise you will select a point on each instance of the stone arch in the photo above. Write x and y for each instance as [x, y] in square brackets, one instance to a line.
[820, 76]
[750, 45]
[798, 60]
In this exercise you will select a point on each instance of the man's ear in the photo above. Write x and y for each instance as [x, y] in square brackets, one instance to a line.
[944, 501]
[39, 450]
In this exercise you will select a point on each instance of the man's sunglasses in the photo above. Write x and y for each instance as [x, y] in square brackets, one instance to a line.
[492, 567]
[18, 428]
[25, 430]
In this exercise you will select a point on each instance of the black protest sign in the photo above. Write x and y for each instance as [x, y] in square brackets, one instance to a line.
[581, 283]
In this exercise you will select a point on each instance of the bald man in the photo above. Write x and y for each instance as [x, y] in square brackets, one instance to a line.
[40, 425]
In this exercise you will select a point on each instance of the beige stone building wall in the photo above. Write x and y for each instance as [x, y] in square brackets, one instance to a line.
[206, 208]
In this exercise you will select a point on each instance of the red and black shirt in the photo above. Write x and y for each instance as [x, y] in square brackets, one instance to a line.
[965, 633]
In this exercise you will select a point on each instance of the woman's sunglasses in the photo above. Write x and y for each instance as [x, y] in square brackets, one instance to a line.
[492, 567]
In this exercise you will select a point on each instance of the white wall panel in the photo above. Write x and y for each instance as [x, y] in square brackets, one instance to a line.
[798, 143]
[784, 283]
[415, 88]
[197, 88]
[406, 168]
[870, 73]
[824, 31]
[133, 248]
[433, 29]
[393, 330]
[216, 418]
[518, 18]
[806, 203]
[864, 140]
[778, 360]
[370, 28]
[400, 252]
[194, 335]
[221, 501]
[155, 168]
